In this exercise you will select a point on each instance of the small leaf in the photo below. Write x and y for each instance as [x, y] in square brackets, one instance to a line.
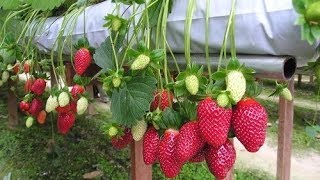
[171, 118]
[9, 4]
[219, 75]
[44, 5]
[153, 13]
[188, 110]
[233, 64]
[315, 30]
[131, 102]
[142, 47]
[299, 6]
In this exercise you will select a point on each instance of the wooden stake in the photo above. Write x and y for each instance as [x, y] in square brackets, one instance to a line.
[139, 170]
[12, 106]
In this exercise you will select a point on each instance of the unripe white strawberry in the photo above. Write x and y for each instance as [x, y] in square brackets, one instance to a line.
[5, 76]
[116, 81]
[29, 122]
[112, 131]
[63, 99]
[116, 24]
[82, 105]
[52, 103]
[192, 84]
[223, 100]
[138, 130]
[140, 62]
[236, 84]
[285, 93]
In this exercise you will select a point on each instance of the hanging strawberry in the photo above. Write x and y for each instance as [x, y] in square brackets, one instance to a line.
[83, 56]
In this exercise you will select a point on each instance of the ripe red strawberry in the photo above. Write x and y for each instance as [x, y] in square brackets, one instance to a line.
[250, 124]
[41, 118]
[121, 142]
[189, 142]
[38, 86]
[214, 122]
[200, 156]
[150, 146]
[76, 91]
[24, 106]
[26, 66]
[220, 160]
[27, 85]
[16, 68]
[36, 107]
[82, 60]
[72, 106]
[164, 96]
[65, 122]
[167, 147]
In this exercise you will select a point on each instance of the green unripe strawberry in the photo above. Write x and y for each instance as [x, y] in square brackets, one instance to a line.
[29, 122]
[313, 13]
[138, 130]
[116, 81]
[236, 85]
[116, 24]
[52, 103]
[286, 94]
[82, 105]
[223, 100]
[140, 62]
[63, 99]
[5, 76]
[106, 86]
[192, 84]
[112, 131]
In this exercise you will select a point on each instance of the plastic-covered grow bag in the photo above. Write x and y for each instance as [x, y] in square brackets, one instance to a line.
[262, 27]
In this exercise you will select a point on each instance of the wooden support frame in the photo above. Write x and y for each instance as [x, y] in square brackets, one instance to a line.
[12, 106]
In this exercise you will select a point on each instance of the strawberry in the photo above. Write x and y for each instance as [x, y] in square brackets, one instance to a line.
[52, 103]
[41, 118]
[220, 160]
[122, 141]
[214, 122]
[82, 60]
[140, 62]
[189, 142]
[29, 122]
[65, 122]
[38, 86]
[72, 106]
[223, 100]
[236, 85]
[24, 106]
[26, 66]
[116, 24]
[167, 146]
[139, 129]
[5, 76]
[63, 99]
[113, 131]
[77, 90]
[16, 68]
[82, 105]
[28, 85]
[36, 107]
[200, 156]
[150, 146]
[162, 99]
[116, 81]
[250, 124]
[192, 84]
[286, 94]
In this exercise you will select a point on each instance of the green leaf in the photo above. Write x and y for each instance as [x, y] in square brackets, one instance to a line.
[253, 89]
[233, 64]
[153, 13]
[299, 6]
[44, 5]
[315, 30]
[219, 75]
[131, 102]
[171, 118]
[81, 80]
[188, 110]
[9, 4]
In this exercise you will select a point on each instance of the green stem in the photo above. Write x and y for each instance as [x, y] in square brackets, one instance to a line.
[164, 33]
[136, 13]
[187, 31]
[207, 39]
[226, 34]
[34, 13]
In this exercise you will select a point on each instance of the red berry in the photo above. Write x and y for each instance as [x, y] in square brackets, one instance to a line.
[65, 122]
[200, 156]
[162, 99]
[72, 106]
[122, 141]
[250, 124]
[24, 106]
[189, 142]
[220, 160]
[16, 68]
[36, 107]
[41, 118]
[82, 60]
[167, 147]
[38, 86]
[150, 146]
[27, 86]
[214, 122]
[26, 67]
[76, 91]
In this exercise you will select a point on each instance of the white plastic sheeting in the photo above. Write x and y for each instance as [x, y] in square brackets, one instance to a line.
[262, 27]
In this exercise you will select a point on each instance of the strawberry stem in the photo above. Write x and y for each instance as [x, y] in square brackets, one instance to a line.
[207, 39]
[187, 30]
[164, 32]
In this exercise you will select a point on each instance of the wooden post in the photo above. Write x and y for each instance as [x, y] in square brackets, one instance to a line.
[299, 79]
[311, 79]
[90, 91]
[12, 106]
[139, 170]
[286, 109]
